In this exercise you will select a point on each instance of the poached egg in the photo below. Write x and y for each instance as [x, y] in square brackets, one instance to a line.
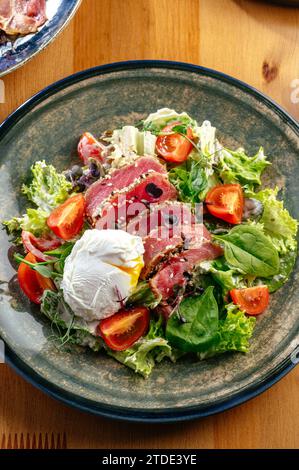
[102, 269]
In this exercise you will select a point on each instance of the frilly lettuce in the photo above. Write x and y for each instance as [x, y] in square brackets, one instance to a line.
[156, 121]
[234, 332]
[237, 167]
[276, 221]
[226, 277]
[152, 348]
[47, 190]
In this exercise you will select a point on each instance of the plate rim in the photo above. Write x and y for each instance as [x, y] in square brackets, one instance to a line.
[46, 43]
[123, 413]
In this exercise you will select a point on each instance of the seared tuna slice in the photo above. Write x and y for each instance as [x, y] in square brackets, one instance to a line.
[173, 215]
[157, 245]
[100, 191]
[151, 189]
[171, 280]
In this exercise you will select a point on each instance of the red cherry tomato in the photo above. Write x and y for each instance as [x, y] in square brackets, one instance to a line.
[226, 202]
[37, 246]
[66, 221]
[31, 282]
[124, 328]
[90, 147]
[174, 147]
[253, 300]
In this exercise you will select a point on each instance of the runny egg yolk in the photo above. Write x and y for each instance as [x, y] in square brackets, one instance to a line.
[134, 272]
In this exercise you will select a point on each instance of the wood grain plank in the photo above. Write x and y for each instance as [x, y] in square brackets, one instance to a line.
[52, 64]
[255, 42]
[143, 29]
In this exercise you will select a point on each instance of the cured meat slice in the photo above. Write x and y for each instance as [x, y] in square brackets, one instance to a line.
[157, 245]
[171, 279]
[22, 16]
[100, 191]
[173, 215]
[152, 189]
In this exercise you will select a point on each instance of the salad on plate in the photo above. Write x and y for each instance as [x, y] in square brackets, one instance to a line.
[161, 242]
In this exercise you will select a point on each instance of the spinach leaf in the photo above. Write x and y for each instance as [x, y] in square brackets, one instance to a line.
[247, 249]
[194, 327]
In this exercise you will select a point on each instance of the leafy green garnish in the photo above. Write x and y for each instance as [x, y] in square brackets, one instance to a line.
[237, 167]
[152, 348]
[190, 180]
[66, 327]
[197, 328]
[277, 223]
[234, 332]
[287, 263]
[248, 250]
[47, 190]
[193, 328]
[225, 276]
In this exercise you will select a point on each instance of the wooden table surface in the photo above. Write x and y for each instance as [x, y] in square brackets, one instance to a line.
[253, 41]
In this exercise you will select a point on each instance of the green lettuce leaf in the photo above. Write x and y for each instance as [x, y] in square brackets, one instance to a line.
[237, 167]
[277, 222]
[147, 351]
[234, 332]
[47, 190]
[156, 121]
[287, 263]
[225, 276]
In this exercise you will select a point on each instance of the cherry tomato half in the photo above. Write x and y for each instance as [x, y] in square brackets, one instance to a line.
[67, 220]
[124, 328]
[174, 147]
[226, 202]
[89, 147]
[253, 300]
[31, 282]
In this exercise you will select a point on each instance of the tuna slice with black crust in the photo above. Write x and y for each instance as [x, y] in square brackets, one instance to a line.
[118, 181]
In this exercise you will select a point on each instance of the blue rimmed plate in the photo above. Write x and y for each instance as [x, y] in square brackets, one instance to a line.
[48, 126]
[16, 53]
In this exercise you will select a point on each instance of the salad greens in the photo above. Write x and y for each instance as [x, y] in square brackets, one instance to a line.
[248, 250]
[66, 327]
[151, 349]
[193, 328]
[237, 167]
[276, 221]
[258, 251]
[190, 180]
[234, 332]
[226, 277]
[196, 327]
[47, 190]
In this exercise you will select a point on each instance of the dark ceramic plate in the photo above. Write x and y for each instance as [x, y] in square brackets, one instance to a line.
[48, 126]
[14, 54]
